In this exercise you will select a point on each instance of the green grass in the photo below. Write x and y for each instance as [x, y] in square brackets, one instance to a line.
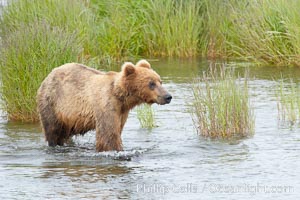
[288, 101]
[146, 116]
[221, 104]
[27, 56]
[172, 28]
[262, 31]
[72, 16]
[152, 28]
[266, 32]
[36, 37]
[121, 35]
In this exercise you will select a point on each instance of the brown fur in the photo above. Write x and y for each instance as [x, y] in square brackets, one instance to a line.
[74, 99]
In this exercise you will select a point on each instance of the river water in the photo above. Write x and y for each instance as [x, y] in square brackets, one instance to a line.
[170, 161]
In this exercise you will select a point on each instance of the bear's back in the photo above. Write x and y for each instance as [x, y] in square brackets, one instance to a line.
[76, 68]
[76, 74]
[67, 80]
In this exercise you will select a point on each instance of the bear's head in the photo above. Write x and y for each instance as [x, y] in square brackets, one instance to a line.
[144, 84]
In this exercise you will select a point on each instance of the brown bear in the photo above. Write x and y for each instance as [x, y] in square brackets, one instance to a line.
[74, 99]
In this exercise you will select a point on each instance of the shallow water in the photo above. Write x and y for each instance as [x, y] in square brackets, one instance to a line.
[167, 162]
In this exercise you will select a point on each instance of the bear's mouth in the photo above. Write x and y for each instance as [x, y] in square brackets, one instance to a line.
[151, 101]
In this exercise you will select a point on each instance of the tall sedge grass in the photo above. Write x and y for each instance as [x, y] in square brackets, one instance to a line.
[146, 116]
[262, 31]
[216, 24]
[27, 56]
[221, 105]
[72, 16]
[172, 28]
[121, 29]
[288, 101]
[266, 32]
[153, 28]
[37, 36]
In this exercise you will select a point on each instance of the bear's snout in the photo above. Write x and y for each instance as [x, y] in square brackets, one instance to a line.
[168, 98]
[164, 99]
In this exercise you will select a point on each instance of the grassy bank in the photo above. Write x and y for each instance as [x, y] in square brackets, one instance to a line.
[266, 32]
[262, 31]
[26, 62]
[32, 45]
[39, 35]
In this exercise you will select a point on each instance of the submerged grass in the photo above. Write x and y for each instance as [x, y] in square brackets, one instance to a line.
[221, 105]
[146, 116]
[288, 102]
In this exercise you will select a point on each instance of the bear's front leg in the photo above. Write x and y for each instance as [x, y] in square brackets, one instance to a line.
[108, 133]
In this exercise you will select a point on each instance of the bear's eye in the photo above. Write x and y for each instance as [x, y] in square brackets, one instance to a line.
[152, 85]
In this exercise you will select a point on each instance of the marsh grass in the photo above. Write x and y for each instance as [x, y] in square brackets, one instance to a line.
[37, 36]
[24, 63]
[172, 28]
[266, 32]
[262, 31]
[72, 16]
[146, 116]
[216, 24]
[153, 28]
[121, 33]
[288, 102]
[221, 104]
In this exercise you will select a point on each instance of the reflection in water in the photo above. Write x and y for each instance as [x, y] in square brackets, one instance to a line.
[84, 173]
[224, 152]
[168, 157]
[77, 171]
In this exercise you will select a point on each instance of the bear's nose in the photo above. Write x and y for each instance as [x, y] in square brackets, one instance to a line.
[168, 98]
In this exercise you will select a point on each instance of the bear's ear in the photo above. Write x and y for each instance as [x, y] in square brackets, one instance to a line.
[143, 63]
[128, 68]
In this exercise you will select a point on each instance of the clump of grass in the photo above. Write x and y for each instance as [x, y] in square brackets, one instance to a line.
[288, 102]
[221, 105]
[28, 54]
[146, 116]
